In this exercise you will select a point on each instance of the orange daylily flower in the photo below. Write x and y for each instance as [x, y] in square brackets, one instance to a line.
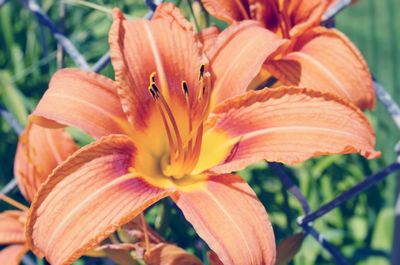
[176, 123]
[286, 18]
[12, 234]
[39, 151]
[316, 57]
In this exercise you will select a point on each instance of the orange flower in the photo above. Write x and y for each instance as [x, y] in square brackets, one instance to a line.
[175, 123]
[39, 151]
[287, 18]
[12, 233]
[316, 57]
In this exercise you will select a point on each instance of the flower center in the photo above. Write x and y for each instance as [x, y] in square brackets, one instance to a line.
[183, 153]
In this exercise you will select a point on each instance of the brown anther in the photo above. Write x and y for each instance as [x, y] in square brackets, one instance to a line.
[185, 88]
[152, 77]
[201, 72]
[154, 86]
[153, 94]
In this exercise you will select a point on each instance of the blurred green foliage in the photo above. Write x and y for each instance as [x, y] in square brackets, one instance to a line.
[362, 228]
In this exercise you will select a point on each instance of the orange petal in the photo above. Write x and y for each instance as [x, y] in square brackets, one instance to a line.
[120, 257]
[12, 255]
[326, 60]
[213, 258]
[168, 254]
[39, 151]
[228, 10]
[288, 248]
[305, 14]
[87, 198]
[119, 253]
[290, 125]
[207, 37]
[301, 14]
[265, 12]
[12, 227]
[228, 216]
[237, 57]
[81, 99]
[166, 45]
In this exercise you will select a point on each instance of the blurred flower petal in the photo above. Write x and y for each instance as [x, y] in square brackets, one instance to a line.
[12, 227]
[326, 60]
[12, 255]
[39, 151]
[228, 10]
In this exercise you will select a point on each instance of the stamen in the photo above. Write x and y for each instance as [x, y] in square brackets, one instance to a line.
[242, 9]
[201, 90]
[155, 94]
[169, 135]
[155, 88]
[152, 77]
[194, 156]
[201, 72]
[164, 106]
[206, 95]
[175, 127]
[286, 19]
[185, 88]
[152, 92]
[282, 22]
[188, 110]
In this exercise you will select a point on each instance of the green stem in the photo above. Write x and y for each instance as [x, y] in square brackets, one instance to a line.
[162, 219]
[193, 15]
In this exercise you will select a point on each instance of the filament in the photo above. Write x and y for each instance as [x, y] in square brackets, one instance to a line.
[189, 112]
[13, 202]
[184, 155]
[155, 92]
[242, 9]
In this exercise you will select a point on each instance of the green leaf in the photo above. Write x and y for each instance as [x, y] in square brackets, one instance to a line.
[80, 137]
[12, 98]
[383, 232]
